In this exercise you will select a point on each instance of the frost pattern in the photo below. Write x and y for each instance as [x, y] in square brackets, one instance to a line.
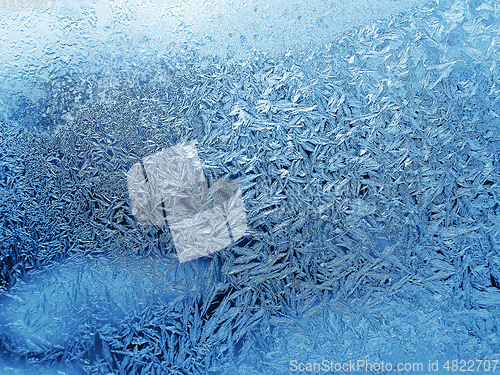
[201, 219]
[370, 175]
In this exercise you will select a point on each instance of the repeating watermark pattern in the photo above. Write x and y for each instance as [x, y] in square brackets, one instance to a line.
[361, 365]
[27, 5]
[203, 216]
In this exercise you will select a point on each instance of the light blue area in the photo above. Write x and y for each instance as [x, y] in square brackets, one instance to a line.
[47, 309]
[80, 33]
[10, 368]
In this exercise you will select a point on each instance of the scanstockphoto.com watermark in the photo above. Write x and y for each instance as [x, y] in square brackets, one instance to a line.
[353, 366]
[432, 366]
[27, 5]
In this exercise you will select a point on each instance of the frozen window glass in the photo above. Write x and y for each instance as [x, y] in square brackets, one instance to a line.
[249, 187]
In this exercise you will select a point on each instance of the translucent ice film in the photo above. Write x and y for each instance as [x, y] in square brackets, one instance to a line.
[177, 189]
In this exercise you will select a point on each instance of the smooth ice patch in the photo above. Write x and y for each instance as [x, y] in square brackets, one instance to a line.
[45, 309]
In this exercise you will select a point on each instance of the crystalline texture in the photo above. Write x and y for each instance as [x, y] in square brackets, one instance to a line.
[370, 173]
[176, 189]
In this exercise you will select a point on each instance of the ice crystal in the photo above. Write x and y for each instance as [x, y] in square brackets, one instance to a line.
[369, 173]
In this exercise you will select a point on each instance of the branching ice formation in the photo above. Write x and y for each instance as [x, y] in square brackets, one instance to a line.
[370, 175]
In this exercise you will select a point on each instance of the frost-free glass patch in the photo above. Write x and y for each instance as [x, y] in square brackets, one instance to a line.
[202, 219]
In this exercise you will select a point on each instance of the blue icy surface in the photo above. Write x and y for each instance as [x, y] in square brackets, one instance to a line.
[371, 178]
